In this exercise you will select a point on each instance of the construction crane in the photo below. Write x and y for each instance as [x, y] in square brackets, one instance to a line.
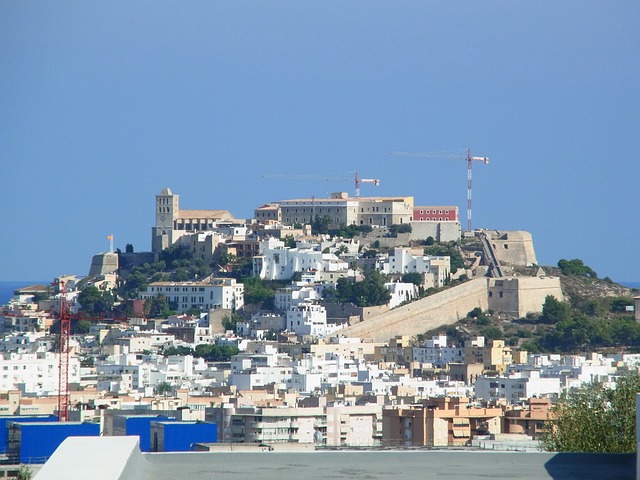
[63, 351]
[470, 159]
[359, 180]
[328, 178]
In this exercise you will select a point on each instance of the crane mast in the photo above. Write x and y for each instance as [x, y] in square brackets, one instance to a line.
[63, 349]
[469, 158]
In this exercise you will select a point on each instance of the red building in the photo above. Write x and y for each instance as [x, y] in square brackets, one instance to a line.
[435, 214]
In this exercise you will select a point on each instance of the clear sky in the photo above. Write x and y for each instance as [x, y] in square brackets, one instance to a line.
[102, 104]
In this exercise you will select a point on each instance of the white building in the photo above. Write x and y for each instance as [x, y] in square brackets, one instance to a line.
[35, 373]
[277, 262]
[400, 292]
[435, 270]
[306, 318]
[438, 353]
[214, 294]
[517, 386]
[263, 367]
[286, 297]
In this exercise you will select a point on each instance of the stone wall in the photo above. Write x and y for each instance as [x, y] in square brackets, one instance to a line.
[440, 231]
[517, 296]
[103, 264]
[443, 308]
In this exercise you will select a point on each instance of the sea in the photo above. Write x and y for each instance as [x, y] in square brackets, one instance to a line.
[7, 288]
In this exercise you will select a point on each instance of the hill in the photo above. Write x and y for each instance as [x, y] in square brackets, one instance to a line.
[593, 316]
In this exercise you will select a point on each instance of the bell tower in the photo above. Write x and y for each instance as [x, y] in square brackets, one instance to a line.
[167, 211]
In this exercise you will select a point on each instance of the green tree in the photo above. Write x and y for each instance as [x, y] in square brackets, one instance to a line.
[595, 419]
[575, 267]
[80, 327]
[181, 274]
[216, 353]
[413, 277]
[162, 388]
[395, 229]
[24, 473]
[366, 293]
[257, 292]
[451, 250]
[555, 311]
[159, 306]
[128, 248]
[93, 300]
[320, 225]
[136, 281]
[230, 322]
[289, 241]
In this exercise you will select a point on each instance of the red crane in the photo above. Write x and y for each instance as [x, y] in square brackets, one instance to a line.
[63, 351]
[454, 156]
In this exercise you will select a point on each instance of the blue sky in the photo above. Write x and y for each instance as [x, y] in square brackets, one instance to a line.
[102, 104]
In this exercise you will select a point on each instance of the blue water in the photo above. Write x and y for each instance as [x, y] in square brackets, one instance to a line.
[7, 288]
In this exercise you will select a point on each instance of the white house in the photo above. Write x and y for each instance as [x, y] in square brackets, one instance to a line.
[277, 262]
[307, 318]
[435, 269]
[400, 292]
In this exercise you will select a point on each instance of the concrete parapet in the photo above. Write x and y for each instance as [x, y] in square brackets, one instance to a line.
[98, 458]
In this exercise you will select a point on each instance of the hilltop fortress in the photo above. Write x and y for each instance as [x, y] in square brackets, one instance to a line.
[494, 283]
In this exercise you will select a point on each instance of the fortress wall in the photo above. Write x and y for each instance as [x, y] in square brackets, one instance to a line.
[440, 231]
[518, 296]
[504, 296]
[103, 263]
[515, 247]
[443, 308]
[533, 291]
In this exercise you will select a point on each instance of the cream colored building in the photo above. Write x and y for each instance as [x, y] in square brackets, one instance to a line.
[172, 222]
[344, 210]
[217, 293]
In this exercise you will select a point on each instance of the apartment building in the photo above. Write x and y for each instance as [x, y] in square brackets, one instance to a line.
[34, 373]
[340, 209]
[441, 422]
[214, 294]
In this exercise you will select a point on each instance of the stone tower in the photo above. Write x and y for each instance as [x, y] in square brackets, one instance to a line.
[167, 211]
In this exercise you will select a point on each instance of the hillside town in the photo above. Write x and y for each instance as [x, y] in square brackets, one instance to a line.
[343, 322]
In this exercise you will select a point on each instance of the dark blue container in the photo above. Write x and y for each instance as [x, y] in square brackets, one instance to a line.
[36, 442]
[4, 426]
[139, 425]
[181, 436]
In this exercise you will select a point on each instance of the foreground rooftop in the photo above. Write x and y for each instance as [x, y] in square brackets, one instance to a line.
[111, 458]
